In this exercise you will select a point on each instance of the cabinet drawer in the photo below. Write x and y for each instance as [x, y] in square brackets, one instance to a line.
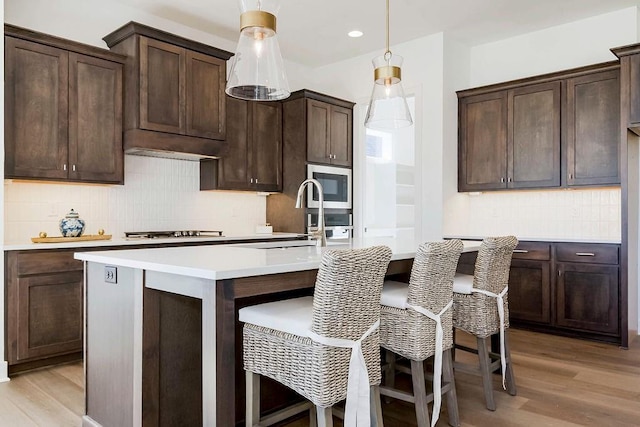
[586, 252]
[39, 262]
[532, 250]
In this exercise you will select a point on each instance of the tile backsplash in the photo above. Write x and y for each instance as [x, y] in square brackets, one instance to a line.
[592, 214]
[159, 194]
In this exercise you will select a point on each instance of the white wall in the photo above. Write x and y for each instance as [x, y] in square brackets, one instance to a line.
[422, 75]
[562, 47]
[587, 214]
[159, 194]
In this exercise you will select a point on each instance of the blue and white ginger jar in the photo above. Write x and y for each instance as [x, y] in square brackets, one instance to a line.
[71, 225]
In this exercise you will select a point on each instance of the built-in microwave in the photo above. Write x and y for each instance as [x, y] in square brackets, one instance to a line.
[336, 186]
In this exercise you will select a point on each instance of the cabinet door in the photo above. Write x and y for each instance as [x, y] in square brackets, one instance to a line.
[49, 315]
[205, 98]
[534, 136]
[266, 143]
[95, 119]
[587, 297]
[593, 129]
[36, 110]
[162, 86]
[482, 148]
[530, 291]
[318, 131]
[233, 167]
[341, 136]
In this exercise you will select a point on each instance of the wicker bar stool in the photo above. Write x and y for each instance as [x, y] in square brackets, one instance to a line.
[480, 307]
[325, 347]
[416, 323]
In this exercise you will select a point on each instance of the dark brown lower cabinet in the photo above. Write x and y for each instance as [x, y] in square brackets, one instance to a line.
[587, 297]
[49, 315]
[530, 291]
[563, 288]
[44, 307]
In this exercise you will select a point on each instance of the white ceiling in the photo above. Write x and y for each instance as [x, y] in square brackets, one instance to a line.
[313, 33]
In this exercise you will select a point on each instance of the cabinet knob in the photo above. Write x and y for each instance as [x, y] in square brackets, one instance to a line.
[502, 180]
[64, 167]
[73, 168]
[510, 179]
[256, 180]
[570, 176]
[251, 181]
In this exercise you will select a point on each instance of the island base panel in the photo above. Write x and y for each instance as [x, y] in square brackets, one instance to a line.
[111, 334]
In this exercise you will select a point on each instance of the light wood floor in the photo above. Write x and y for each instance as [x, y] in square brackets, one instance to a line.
[561, 382]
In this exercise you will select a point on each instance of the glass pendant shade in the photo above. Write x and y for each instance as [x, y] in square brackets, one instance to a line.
[257, 71]
[388, 107]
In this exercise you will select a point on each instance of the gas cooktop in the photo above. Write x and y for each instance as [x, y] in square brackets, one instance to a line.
[178, 233]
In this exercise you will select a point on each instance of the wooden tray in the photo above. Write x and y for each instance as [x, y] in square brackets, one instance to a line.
[60, 239]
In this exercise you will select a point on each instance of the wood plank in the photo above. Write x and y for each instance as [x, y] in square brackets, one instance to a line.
[562, 382]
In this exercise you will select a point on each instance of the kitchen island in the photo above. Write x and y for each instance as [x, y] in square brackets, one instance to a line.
[163, 344]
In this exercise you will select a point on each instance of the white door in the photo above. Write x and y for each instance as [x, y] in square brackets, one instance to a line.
[388, 186]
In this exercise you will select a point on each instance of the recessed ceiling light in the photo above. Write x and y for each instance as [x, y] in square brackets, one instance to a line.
[355, 33]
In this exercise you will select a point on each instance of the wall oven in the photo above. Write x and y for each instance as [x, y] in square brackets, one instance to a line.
[336, 185]
[338, 226]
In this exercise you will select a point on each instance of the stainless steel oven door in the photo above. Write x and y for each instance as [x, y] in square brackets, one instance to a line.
[336, 185]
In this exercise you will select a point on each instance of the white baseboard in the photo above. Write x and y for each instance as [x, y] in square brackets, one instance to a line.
[4, 371]
[88, 422]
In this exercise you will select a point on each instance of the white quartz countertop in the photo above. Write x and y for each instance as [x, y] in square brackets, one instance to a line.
[137, 241]
[242, 260]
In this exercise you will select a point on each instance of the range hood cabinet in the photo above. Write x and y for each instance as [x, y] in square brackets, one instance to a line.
[174, 94]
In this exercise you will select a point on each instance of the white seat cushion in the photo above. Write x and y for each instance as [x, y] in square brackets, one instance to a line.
[462, 283]
[291, 315]
[394, 294]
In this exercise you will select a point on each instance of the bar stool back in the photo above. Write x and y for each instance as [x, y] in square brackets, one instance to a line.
[416, 323]
[480, 307]
[326, 348]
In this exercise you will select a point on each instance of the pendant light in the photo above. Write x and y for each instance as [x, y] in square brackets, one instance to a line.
[388, 107]
[257, 72]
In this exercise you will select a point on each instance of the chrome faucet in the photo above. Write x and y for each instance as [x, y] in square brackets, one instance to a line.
[319, 234]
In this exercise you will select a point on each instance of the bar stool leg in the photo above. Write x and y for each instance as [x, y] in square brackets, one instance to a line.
[313, 420]
[420, 393]
[376, 407]
[452, 396]
[390, 374]
[485, 370]
[252, 413]
[325, 417]
[509, 378]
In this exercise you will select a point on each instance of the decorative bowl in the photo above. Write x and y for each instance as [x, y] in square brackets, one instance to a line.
[71, 225]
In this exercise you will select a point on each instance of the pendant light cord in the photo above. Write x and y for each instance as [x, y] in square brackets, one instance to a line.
[388, 51]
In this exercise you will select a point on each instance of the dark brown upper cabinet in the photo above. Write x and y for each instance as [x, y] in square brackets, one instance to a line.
[482, 142]
[253, 160]
[174, 97]
[593, 129]
[329, 129]
[630, 86]
[533, 130]
[511, 135]
[63, 109]
[510, 139]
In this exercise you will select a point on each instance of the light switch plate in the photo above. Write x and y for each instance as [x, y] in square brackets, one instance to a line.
[111, 274]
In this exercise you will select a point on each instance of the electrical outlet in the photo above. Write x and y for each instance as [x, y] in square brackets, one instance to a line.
[110, 274]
